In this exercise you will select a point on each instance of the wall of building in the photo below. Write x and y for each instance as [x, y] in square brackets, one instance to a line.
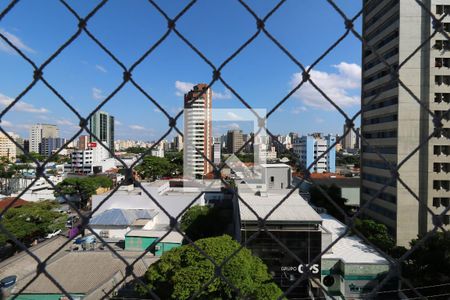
[133, 243]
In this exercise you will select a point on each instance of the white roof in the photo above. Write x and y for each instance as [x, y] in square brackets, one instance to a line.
[172, 237]
[350, 249]
[275, 166]
[293, 209]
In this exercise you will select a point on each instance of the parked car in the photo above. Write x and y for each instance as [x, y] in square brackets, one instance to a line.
[53, 234]
[8, 281]
[71, 221]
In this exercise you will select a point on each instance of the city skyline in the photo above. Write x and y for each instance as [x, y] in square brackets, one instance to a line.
[271, 79]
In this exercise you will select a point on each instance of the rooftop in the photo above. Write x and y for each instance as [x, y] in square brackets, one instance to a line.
[293, 209]
[4, 202]
[83, 272]
[275, 166]
[122, 217]
[349, 249]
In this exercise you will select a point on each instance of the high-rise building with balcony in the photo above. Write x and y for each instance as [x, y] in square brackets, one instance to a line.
[101, 124]
[39, 131]
[197, 131]
[394, 124]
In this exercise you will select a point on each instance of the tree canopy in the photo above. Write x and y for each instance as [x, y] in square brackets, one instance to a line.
[181, 272]
[32, 220]
[429, 264]
[153, 167]
[83, 187]
[204, 221]
[334, 192]
[376, 233]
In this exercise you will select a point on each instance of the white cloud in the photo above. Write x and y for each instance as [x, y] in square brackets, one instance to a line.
[101, 68]
[319, 120]
[338, 86]
[157, 110]
[8, 124]
[298, 110]
[21, 105]
[117, 122]
[233, 116]
[97, 94]
[184, 87]
[15, 40]
[5, 123]
[137, 127]
[221, 96]
[65, 122]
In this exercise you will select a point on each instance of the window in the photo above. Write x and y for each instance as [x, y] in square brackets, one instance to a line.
[441, 9]
[272, 179]
[441, 185]
[104, 233]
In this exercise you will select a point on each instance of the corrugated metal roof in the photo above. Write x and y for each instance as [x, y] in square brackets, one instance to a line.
[122, 217]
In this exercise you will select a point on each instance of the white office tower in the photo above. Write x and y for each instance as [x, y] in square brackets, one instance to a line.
[39, 131]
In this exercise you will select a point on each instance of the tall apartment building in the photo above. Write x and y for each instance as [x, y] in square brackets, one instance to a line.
[349, 141]
[178, 143]
[217, 153]
[395, 124]
[101, 125]
[7, 147]
[235, 140]
[197, 131]
[308, 148]
[39, 131]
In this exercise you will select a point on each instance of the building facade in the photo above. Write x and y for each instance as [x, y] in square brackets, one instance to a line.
[349, 140]
[309, 148]
[101, 125]
[235, 140]
[7, 147]
[40, 131]
[217, 153]
[197, 131]
[394, 124]
[49, 145]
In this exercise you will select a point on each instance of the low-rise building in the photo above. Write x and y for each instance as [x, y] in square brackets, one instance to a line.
[295, 224]
[140, 240]
[350, 268]
[113, 224]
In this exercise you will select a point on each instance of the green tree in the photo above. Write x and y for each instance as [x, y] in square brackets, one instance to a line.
[136, 150]
[176, 159]
[153, 167]
[82, 187]
[334, 192]
[204, 221]
[32, 220]
[181, 272]
[26, 158]
[7, 169]
[429, 264]
[376, 233]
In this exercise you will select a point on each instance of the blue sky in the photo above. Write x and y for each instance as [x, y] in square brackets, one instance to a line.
[261, 74]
